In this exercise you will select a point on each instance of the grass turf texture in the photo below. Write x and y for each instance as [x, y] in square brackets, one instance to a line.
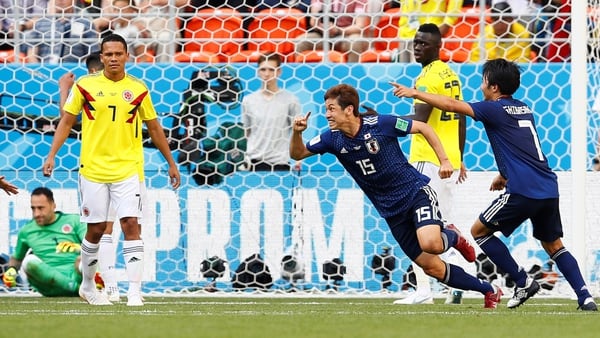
[291, 317]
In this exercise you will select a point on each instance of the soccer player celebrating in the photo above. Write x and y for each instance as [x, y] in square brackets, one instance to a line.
[531, 187]
[114, 104]
[367, 146]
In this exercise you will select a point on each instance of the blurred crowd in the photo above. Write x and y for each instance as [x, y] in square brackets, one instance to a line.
[52, 31]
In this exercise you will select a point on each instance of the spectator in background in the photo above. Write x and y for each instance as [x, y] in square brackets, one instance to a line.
[443, 13]
[159, 19]
[345, 23]
[8, 24]
[267, 115]
[552, 30]
[62, 37]
[122, 19]
[302, 5]
[52, 268]
[504, 37]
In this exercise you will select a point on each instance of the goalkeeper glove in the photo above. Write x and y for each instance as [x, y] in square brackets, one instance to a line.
[66, 247]
[10, 277]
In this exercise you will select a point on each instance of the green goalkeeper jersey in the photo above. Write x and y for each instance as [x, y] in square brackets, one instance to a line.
[44, 240]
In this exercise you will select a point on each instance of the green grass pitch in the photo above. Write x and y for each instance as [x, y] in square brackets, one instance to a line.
[275, 317]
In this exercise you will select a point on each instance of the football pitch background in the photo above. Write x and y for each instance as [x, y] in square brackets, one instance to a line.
[254, 212]
[292, 316]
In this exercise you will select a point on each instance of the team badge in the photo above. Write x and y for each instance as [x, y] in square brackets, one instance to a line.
[402, 124]
[372, 146]
[128, 95]
[67, 229]
[85, 211]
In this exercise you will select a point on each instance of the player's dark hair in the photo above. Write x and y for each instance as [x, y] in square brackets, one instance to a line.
[43, 191]
[432, 29]
[504, 74]
[345, 95]
[111, 38]
[93, 61]
[272, 56]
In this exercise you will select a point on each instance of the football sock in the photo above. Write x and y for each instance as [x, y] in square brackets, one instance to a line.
[89, 264]
[499, 255]
[567, 264]
[457, 278]
[450, 238]
[107, 257]
[133, 253]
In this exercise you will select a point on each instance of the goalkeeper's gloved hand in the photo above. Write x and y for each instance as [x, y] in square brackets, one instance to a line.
[66, 247]
[10, 277]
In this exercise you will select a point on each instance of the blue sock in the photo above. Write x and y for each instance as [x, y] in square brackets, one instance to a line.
[567, 264]
[449, 238]
[457, 278]
[499, 255]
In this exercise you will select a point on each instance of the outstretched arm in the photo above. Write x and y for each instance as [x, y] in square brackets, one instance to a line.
[298, 149]
[433, 140]
[439, 101]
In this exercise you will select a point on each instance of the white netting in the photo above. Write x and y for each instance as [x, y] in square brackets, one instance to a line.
[297, 220]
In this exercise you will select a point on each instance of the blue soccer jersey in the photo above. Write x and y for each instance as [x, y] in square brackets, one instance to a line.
[510, 127]
[374, 159]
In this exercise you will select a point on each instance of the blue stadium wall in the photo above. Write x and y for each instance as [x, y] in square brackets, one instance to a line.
[253, 212]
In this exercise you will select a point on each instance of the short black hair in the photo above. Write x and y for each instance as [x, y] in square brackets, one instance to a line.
[504, 74]
[43, 191]
[430, 28]
[93, 61]
[113, 37]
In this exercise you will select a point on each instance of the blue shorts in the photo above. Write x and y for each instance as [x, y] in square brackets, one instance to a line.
[509, 211]
[423, 211]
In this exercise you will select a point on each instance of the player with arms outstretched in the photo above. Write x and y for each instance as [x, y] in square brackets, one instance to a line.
[531, 187]
[367, 146]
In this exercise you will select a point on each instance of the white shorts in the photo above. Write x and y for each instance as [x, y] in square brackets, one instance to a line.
[96, 199]
[146, 215]
[445, 189]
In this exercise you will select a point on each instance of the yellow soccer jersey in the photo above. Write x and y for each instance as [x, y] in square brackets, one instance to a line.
[112, 115]
[438, 78]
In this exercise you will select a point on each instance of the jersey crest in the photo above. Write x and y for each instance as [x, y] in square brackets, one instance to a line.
[67, 229]
[372, 146]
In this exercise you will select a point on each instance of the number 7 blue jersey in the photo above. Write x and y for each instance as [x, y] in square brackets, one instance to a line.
[510, 127]
[375, 160]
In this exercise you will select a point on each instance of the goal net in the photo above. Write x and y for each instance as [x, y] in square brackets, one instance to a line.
[311, 229]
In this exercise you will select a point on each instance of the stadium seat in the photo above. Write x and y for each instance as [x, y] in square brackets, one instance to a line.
[311, 56]
[385, 38]
[212, 34]
[273, 30]
[456, 46]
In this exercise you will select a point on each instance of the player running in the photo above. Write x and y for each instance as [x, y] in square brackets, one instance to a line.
[367, 146]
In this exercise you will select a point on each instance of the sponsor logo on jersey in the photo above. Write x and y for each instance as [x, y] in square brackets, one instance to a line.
[343, 151]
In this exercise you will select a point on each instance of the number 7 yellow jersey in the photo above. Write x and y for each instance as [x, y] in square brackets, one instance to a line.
[111, 132]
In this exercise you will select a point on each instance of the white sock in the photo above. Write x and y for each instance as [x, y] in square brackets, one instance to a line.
[133, 253]
[423, 285]
[89, 264]
[106, 265]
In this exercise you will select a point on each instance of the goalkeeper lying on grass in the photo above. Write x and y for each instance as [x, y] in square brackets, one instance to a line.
[52, 267]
